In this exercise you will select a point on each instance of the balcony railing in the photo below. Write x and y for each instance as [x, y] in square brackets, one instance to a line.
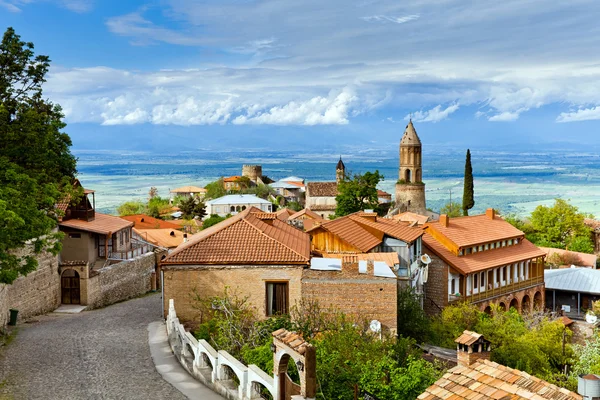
[85, 215]
[491, 293]
[135, 251]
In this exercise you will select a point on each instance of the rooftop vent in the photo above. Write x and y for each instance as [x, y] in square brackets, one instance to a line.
[172, 233]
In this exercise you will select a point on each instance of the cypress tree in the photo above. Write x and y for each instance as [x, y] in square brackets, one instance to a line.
[468, 198]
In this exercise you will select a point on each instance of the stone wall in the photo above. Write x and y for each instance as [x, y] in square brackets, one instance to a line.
[353, 293]
[34, 294]
[121, 281]
[180, 283]
[411, 197]
[436, 288]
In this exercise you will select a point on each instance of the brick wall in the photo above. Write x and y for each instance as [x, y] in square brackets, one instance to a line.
[436, 288]
[121, 281]
[243, 280]
[362, 295]
[34, 294]
[465, 358]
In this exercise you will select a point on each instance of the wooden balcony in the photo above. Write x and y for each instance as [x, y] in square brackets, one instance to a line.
[85, 215]
[495, 292]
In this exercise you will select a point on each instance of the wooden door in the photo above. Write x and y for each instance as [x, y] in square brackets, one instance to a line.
[69, 284]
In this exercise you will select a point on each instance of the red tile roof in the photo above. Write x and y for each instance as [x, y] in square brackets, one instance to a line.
[574, 257]
[309, 213]
[476, 229]
[411, 217]
[102, 224]
[485, 259]
[169, 238]
[244, 239]
[284, 214]
[234, 178]
[487, 380]
[189, 189]
[322, 189]
[352, 232]
[142, 221]
[396, 229]
[390, 259]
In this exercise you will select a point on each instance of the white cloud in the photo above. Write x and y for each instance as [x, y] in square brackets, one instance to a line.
[584, 114]
[12, 6]
[504, 117]
[78, 6]
[436, 114]
[389, 18]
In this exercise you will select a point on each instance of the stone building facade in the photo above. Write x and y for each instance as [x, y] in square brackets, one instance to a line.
[410, 189]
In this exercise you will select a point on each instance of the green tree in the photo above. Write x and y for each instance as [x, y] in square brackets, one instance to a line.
[132, 208]
[358, 193]
[36, 166]
[213, 220]
[412, 321]
[468, 200]
[582, 244]
[558, 225]
[215, 189]
[452, 209]
[192, 207]
[158, 206]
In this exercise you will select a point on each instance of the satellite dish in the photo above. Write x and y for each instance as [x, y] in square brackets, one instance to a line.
[375, 326]
[425, 259]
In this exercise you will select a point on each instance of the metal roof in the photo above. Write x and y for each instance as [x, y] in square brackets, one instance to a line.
[239, 199]
[283, 185]
[292, 179]
[584, 280]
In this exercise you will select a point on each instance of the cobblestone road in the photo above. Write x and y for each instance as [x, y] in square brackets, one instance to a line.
[100, 354]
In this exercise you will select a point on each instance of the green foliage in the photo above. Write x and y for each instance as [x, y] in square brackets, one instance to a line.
[158, 206]
[531, 343]
[132, 208]
[582, 244]
[213, 220]
[36, 166]
[358, 193]
[192, 207]
[412, 321]
[215, 189]
[262, 191]
[294, 205]
[452, 209]
[468, 200]
[587, 358]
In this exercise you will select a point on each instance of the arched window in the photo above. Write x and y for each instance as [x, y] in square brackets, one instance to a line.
[232, 209]
[407, 176]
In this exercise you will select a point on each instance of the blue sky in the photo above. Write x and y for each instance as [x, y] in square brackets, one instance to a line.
[334, 73]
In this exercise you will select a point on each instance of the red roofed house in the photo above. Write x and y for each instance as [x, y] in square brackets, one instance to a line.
[320, 196]
[482, 259]
[143, 221]
[232, 182]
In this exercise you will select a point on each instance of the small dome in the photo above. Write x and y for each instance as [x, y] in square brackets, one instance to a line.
[410, 137]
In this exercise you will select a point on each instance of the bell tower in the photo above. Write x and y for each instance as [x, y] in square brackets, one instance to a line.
[340, 171]
[410, 189]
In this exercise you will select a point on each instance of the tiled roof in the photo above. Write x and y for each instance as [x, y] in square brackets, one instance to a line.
[264, 215]
[592, 223]
[485, 380]
[326, 207]
[381, 193]
[244, 239]
[583, 259]
[396, 229]
[189, 189]
[485, 259]
[284, 214]
[411, 217]
[239, 199]
[585, 280]
[468, 338]
[234, 178]
[102, 224]
[308, 213]
[477, 229]
[390, 259]
[322, 189]
[352, 232]
[292, 179]
[169, 238]
[142, 221]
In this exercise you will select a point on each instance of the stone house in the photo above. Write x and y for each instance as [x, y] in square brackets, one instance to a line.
[188, 191]
[482, 259]
[365, 232]
[320, 196]
[232, 183]
[258, 256]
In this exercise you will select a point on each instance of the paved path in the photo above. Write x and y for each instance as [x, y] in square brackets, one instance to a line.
[100, 354]
[171, 370]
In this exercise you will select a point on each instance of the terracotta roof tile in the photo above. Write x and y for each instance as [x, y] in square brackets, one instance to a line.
[189, 189]
[142, 221]
[352, 232]
[495, 382]
[234, 178]
[306, 212]
[485, 259]
[468, 338]
[284, 214]
[102, 224]
[322, 189]
[244, 239]
[396, 229]
[169, 238]
[411, 217]
[476, 229]
[325, 207]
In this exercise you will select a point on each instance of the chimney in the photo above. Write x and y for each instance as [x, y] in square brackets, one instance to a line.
[470, 347]
[444, 220]
[490, 213]
[184, 237]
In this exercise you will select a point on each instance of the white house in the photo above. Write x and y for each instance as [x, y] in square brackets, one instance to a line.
[234, 203]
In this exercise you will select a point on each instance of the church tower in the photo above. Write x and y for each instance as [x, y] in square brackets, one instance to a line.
[410, 190]
[340, 171]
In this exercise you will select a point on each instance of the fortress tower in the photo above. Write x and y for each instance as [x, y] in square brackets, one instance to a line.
[410, 190]
[340, 171]
[254, 172]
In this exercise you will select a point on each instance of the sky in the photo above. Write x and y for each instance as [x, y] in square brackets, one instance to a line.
[169, 74]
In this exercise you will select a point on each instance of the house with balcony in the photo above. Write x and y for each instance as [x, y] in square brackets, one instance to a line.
[484, 260]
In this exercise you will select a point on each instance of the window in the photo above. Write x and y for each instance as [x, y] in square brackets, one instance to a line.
[480, 248]
[482, 280]
[121, 238]
[453, 286]
[510, 242]
[503, 273]
[487, 247]
[74, 235]
[469, 250]
[277, 298]
[475, 284]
